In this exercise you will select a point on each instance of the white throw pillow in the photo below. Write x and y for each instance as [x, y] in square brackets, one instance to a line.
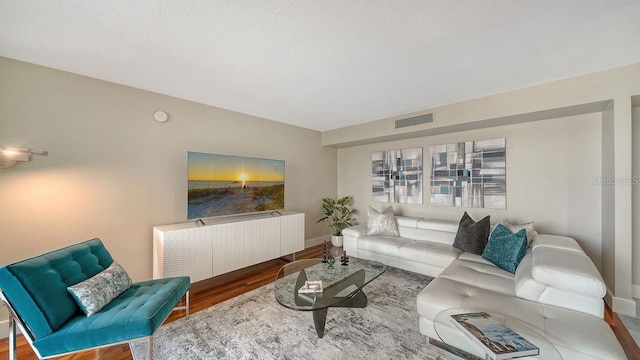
[381, 223]
[514, 228]
[96, 292]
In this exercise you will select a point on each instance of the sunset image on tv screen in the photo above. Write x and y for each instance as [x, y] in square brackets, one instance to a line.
[225, 185]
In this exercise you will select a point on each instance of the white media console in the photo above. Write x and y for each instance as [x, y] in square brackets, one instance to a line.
[225, 244]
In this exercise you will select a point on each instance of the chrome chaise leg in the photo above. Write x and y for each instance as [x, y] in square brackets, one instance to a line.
[150, 347]
[186, 305]
[187, 301]
[12, 338]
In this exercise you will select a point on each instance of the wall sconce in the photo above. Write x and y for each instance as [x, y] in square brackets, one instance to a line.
[11, 156]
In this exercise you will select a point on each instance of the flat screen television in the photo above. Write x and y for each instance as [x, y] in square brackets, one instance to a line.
[226, 185]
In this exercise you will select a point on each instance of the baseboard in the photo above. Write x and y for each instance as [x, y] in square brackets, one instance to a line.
[624, 306]
[316, 241]
[608, 298]
[620, 305]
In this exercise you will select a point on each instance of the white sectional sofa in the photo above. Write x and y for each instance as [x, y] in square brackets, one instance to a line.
[556, 288]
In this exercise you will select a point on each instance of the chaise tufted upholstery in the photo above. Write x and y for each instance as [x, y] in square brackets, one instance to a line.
[36, 290]
[38, 286]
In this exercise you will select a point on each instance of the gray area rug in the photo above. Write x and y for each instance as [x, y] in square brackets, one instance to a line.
[255, 326]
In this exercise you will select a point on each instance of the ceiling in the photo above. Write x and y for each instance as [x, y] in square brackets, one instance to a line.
[323, 65]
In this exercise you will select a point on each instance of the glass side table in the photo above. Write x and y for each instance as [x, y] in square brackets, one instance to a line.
[459, 343]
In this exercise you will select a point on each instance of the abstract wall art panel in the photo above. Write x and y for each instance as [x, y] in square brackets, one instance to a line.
[469, 174]
[397, 176]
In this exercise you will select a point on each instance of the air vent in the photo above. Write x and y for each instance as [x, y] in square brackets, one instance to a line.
[416, 120]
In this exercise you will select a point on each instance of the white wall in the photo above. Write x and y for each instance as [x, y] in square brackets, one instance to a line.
[551, 166]
[113, 172]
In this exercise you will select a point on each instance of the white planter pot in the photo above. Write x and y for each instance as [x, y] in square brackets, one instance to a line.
[336, 240]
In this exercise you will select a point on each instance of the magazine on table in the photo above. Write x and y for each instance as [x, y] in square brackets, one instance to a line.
[498, 340]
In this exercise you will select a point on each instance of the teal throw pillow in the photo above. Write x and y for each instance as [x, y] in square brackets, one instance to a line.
[505, 249]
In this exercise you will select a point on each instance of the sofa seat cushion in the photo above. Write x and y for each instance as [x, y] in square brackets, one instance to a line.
[473, 270]
[443, 293]
[429, 252]
[388, 245]
[136, 313]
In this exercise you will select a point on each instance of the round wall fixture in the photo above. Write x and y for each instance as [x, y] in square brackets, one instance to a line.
[160, 116]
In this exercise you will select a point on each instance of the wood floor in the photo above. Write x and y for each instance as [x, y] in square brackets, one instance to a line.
[210, 292]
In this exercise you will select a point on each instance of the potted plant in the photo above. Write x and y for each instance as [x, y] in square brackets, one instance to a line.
[338, 214]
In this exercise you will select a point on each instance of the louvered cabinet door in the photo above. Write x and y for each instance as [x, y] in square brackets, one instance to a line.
[291, 234]
[265, 239]
[231, 247]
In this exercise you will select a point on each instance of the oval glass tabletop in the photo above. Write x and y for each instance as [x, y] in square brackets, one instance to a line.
[332, 283]
[461, 343]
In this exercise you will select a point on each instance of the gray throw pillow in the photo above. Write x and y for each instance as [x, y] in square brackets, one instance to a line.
[472, 236]
[381, 223]
[96, 292]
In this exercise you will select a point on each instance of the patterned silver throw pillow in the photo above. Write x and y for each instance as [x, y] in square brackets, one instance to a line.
[381, 223]
[96, 292]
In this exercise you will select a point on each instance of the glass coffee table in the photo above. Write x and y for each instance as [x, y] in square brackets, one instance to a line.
[459, 343]
[341, 286]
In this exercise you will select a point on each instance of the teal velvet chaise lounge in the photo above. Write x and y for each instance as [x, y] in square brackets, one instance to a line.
[55, 322]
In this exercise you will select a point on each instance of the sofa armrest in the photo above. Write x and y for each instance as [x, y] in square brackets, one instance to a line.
[567, 270]
[355, 231]
[557, 272]
[350, 237]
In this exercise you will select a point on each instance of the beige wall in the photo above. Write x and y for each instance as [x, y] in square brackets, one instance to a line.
[551, 166]
[113, 172]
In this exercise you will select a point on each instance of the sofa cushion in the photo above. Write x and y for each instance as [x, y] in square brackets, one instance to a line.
[136, 313]
[438, 225]
[429, 252]
[388, 245]
[505, 249]
[473, 270]
[405, 221]
[381, 223]
[472, 236]
[37, 287]
[96, 292]
[445, 293]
